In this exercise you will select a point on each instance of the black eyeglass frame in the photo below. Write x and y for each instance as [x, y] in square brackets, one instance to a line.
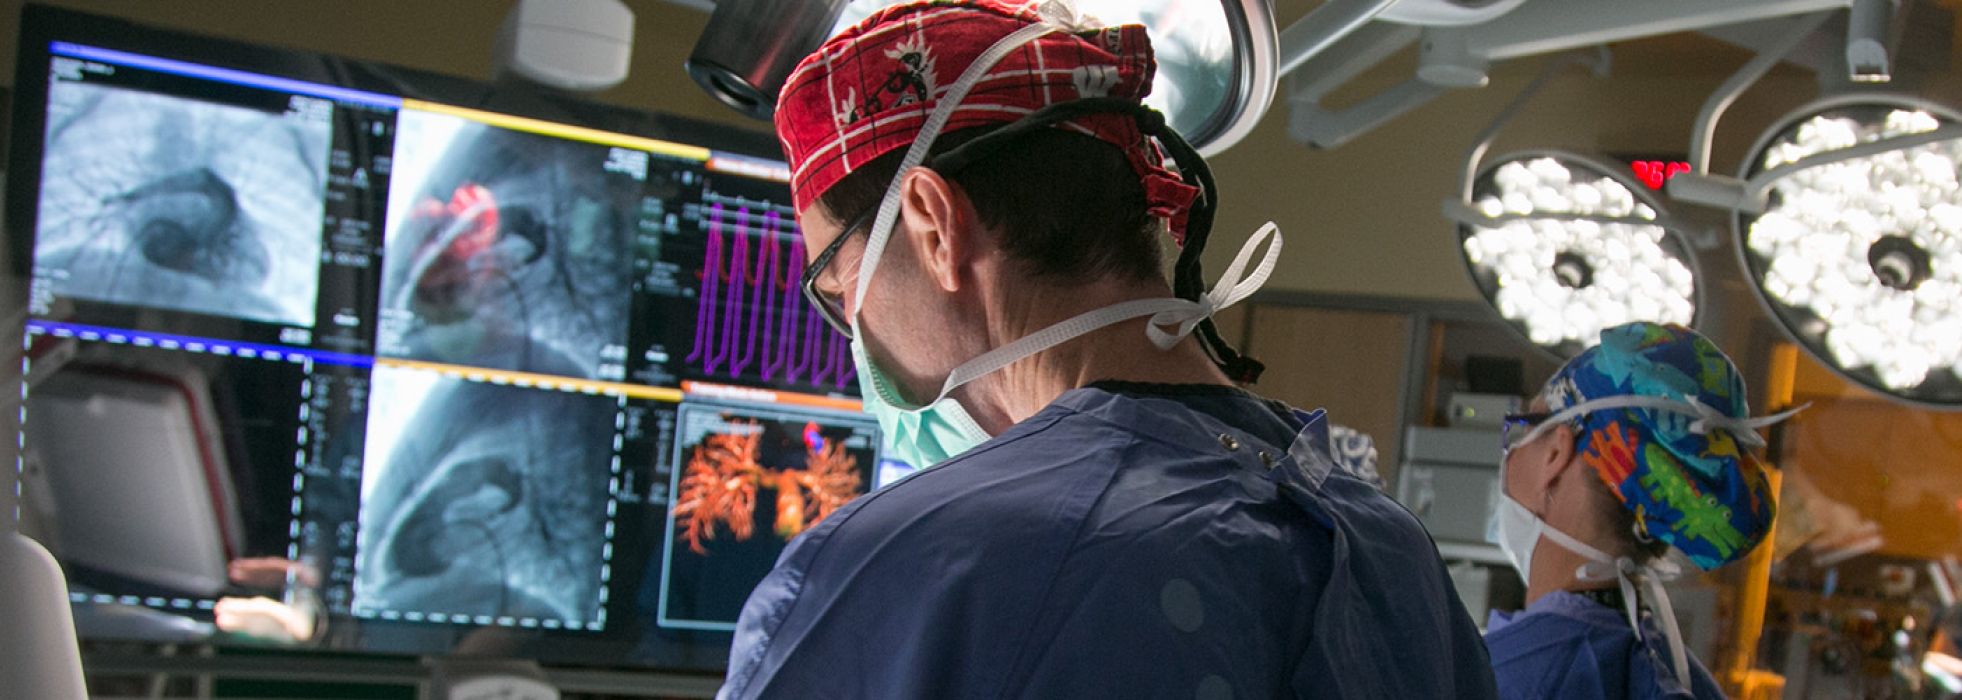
[833, 310]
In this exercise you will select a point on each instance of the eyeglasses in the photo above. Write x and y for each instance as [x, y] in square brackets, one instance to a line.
[832, 306]
[1525, 421]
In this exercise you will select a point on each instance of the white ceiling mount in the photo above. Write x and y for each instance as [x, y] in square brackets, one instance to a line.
[1447, 13]
[1309, 36]
[1342, 61]
[1546, 27]
[1446, 62]
[578, 45]
[1455, 56]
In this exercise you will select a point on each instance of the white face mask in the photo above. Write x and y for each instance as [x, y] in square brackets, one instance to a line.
[1516, 531]
[942, 421]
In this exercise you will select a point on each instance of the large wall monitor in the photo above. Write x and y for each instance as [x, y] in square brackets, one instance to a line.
[341, 356]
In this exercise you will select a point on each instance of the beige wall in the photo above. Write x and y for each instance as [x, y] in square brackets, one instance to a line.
[1312, 362]
[1361, 219]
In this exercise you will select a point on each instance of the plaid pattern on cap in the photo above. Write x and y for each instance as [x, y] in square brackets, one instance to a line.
[1702, 493]
[868, 91]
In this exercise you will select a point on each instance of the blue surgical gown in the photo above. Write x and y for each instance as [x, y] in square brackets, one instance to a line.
[1567, 646]
[1127, 541]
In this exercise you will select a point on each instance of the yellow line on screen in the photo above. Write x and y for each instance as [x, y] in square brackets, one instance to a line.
[539, 381]
[564, 131]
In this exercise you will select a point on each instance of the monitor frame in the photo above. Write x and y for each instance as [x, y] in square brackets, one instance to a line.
[41, 26]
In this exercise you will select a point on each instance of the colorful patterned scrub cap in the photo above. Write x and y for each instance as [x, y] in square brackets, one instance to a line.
[868, 91]
[1689, 485]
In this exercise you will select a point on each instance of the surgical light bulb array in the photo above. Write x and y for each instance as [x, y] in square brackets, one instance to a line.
[1567, 250]
[1865, 254]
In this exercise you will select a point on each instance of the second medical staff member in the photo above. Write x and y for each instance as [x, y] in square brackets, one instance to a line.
[1637, 445]
[1112, 518]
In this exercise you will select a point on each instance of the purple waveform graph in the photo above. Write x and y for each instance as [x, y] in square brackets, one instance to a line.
[751, 319]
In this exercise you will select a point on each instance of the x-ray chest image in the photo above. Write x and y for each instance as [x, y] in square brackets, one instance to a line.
[503, 248]
[167, 202]
[748, 480]
[483, 501]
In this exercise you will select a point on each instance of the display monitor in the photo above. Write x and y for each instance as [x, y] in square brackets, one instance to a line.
[333, 355]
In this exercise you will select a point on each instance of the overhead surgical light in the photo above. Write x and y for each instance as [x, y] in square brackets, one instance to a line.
[1851, 231]
[1563, 246]
[1216, 60]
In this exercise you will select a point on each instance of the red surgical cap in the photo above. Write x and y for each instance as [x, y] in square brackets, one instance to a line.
[868, 91]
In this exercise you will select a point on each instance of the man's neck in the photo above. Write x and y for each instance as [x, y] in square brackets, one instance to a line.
[1119, 352]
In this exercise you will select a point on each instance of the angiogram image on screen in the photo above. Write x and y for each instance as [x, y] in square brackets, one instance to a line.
[160, 201]
[752, 320]
[746, 481]
[504, 249]
[482, 501]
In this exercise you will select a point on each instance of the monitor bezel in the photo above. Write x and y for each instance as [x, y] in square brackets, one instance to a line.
[42, 25]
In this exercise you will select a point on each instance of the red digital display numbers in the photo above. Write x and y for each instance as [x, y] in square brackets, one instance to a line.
[1655, 172]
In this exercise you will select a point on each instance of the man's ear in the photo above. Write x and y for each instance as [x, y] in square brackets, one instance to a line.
[938, 219]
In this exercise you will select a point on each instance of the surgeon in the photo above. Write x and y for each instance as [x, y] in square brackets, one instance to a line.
[1103, 514]
[1637, 446]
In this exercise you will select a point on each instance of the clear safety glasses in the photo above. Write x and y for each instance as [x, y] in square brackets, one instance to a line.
[1518, 425]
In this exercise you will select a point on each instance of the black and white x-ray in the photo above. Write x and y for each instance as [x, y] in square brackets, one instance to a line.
[508, 250]
[483, 501]
[166, 202]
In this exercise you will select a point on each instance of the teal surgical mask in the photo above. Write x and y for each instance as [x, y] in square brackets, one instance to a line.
[921, 437]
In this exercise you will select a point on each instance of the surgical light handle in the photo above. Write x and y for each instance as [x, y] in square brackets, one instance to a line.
[1597, 60]
[1720, 101]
